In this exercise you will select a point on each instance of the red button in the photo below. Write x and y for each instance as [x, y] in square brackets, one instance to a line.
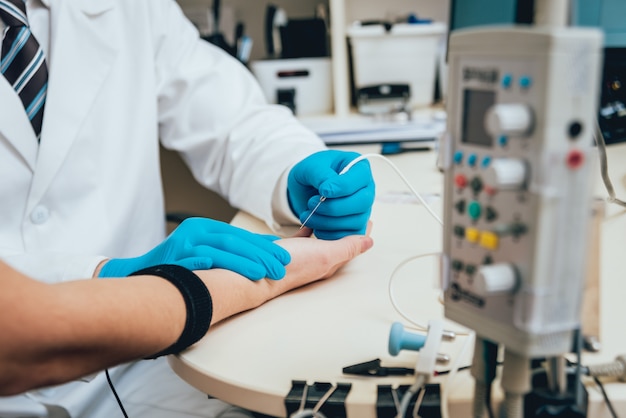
[490, 190]
[460, 180]
[575, 159]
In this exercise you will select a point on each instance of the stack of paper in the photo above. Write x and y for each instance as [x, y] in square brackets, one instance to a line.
[359, 129]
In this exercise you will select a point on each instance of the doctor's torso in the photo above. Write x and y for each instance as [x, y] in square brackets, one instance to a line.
[96, 170]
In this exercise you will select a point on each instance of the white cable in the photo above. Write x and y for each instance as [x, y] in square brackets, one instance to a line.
[392, 165]
[394, 396]
[428, 208]
[307, 413]
[604, 169]
[392, 297]
[420, 381]
[404, 179]
[315, 411]
[418, 402]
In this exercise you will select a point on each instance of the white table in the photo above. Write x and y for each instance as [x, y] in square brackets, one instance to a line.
[312, 333]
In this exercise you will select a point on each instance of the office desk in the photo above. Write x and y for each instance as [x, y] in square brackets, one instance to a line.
[312, 333]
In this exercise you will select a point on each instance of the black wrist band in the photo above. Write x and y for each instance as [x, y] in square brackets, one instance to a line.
[197, 300]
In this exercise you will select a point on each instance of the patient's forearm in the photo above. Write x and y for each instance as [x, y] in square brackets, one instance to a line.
[63, 331]
[55, 333]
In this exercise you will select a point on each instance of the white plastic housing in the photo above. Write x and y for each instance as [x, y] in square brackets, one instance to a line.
[494, 279]
[506, 174]
[510, 119]
[513, 94]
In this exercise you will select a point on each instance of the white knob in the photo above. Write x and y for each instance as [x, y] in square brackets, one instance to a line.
[511, 119]
[506, 174]
[495, 278]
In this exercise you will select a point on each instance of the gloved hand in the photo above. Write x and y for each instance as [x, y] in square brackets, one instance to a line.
[349, 197]
[200, 244]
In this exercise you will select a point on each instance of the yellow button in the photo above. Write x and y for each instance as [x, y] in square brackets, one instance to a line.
[489, 240]
[472, 234]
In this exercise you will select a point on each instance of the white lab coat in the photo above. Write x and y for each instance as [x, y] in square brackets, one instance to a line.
[124, 73]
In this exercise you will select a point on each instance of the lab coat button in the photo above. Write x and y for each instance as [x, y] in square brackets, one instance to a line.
[40, 215]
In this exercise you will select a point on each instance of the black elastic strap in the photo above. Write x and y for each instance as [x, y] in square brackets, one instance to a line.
[197, 300]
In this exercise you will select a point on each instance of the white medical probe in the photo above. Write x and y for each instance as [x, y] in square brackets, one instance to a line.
[363, 157]
[322, 198]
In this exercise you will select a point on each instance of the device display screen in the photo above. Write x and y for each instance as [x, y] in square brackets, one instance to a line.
[475, 106]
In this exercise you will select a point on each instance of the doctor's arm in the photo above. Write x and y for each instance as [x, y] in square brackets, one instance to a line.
[53, 333]
[257, 155]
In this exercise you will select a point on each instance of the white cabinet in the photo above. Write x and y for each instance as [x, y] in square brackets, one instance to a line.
[344, 12]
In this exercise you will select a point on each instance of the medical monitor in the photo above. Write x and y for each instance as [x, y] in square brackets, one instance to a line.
[607, 15]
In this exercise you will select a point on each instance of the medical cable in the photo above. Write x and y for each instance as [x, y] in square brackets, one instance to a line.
[604, 169]
[419, 384]
[468, 342]
[612, 369]
[392, 297]
[398, 172]
[418, 402]
[117, 398]
[314, 412]
[421, 379]
[402, 177]
[403, 263]
[607, 400]
[615, 369]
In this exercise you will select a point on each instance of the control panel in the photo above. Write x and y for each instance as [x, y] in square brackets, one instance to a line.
[518, 175]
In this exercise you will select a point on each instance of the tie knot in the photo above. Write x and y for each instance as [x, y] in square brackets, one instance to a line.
[13, 12]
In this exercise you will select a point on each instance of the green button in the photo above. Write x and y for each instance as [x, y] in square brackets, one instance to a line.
[470, 269]
[457, 265]
[474, 209]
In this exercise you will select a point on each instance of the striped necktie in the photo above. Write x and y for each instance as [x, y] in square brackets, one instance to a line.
[22, 61]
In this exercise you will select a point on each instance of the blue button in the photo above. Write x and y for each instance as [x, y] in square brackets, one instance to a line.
[525, 81]
[503, 140]
[486, 161]
[507, 80]
[471, 159]
[458, 157]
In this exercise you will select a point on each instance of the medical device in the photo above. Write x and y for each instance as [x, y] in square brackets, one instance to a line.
[323, 198]
[398, 172]
[604, 14]
[518, 176]
[517, 183]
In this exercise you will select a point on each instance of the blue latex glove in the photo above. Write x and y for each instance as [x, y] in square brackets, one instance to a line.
[200, 244]
[349, 197]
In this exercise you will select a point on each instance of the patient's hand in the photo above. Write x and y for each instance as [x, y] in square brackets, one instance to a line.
[314, 259]
[311, 260]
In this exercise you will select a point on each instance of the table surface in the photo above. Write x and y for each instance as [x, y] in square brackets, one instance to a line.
[310, 334]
